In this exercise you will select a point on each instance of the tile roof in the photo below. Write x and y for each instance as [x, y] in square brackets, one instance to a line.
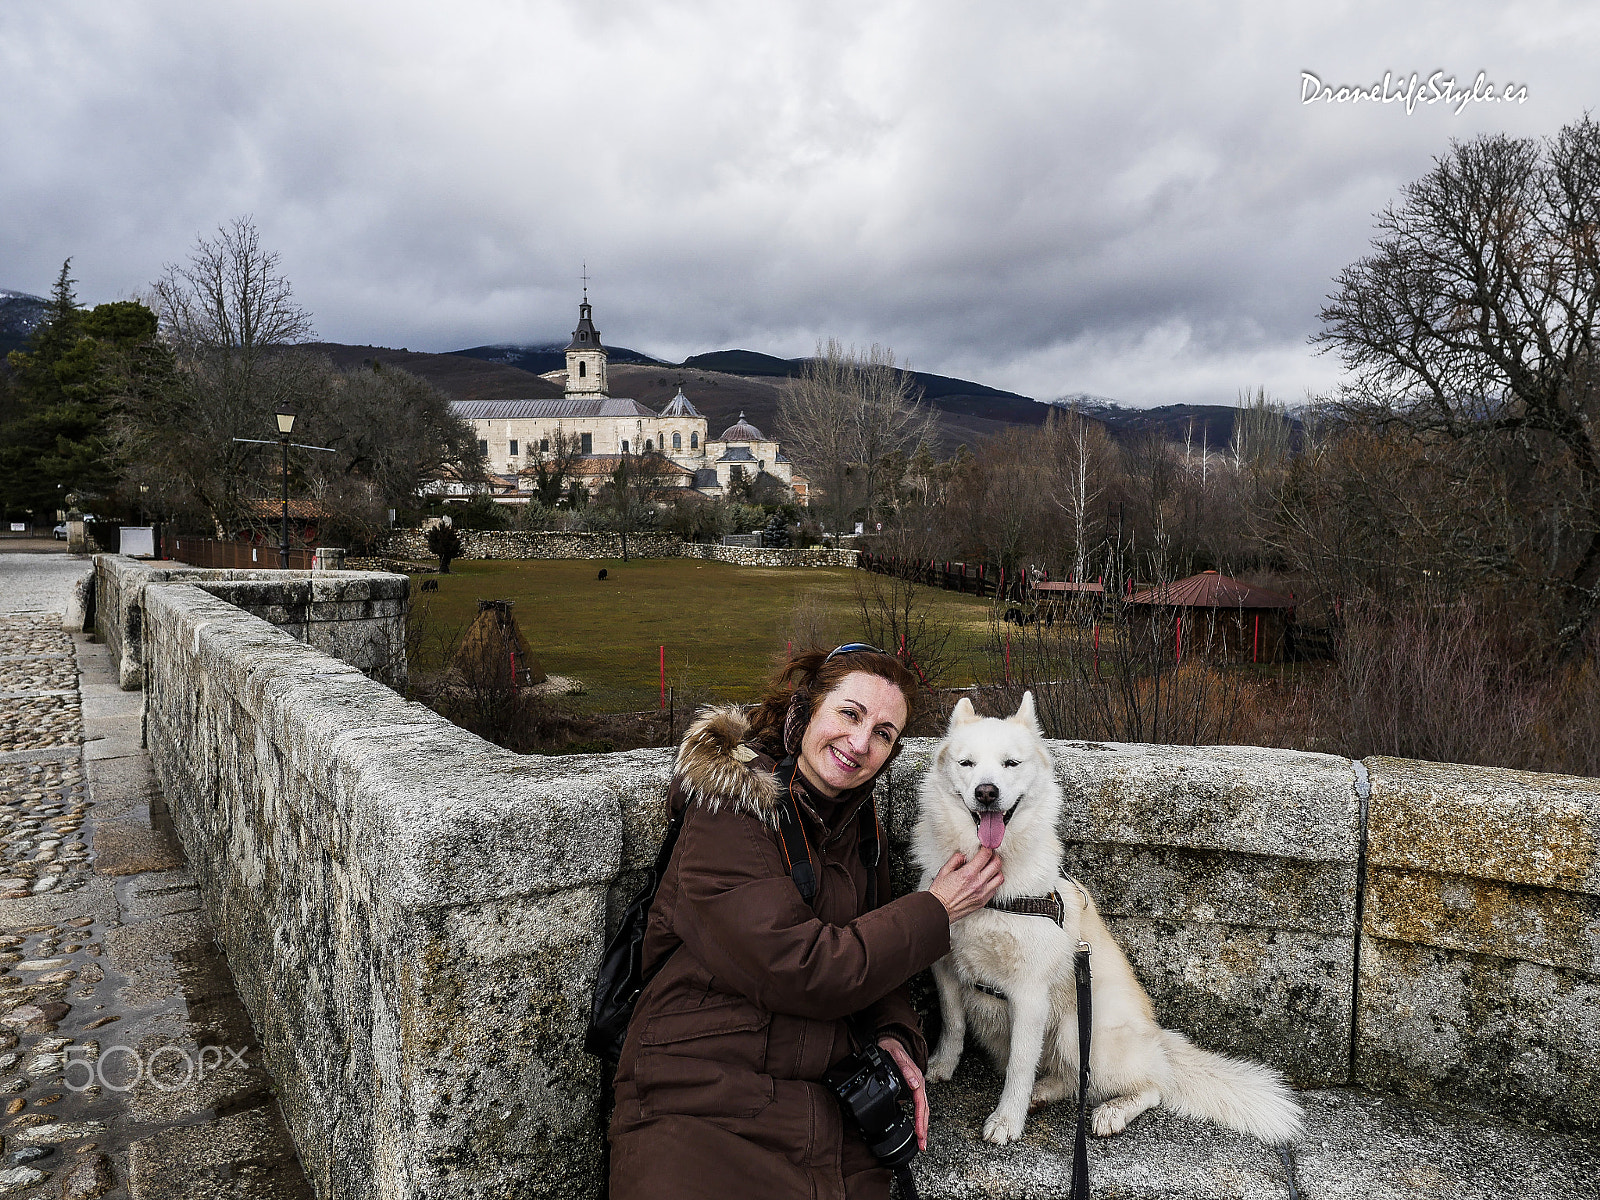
[652, 465]
[502, 410]
[1210, 590]
[679, 406]
[742, 431]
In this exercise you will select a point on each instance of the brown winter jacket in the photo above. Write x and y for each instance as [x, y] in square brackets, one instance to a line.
[718, 1091]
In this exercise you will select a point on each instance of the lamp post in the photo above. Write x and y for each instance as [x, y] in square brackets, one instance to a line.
[286, 416]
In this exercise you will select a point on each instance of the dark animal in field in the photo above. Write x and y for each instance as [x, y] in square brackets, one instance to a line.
[430, 585]
[602, 574]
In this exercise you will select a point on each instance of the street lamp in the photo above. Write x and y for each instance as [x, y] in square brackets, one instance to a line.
[286, 416]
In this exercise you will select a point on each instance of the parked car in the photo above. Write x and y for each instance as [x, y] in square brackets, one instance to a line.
[60, 532]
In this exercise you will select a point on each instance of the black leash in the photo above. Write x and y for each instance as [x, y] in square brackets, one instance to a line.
[1080, 1149]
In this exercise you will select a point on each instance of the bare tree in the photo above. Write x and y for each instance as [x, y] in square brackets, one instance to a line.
[234, 326]
[1260, 431]
[815, 424]
[1475, 320]
[889, 420]
[1077, 475]
[231, 320]
[553, 466]
[844, 421]
[230, 296]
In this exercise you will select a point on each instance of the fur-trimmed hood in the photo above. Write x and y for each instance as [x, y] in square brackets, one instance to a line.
[716, 767]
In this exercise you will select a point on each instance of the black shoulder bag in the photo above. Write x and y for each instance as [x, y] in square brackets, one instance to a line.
[622, 977]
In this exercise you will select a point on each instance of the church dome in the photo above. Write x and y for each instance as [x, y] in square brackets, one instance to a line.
[742, 431]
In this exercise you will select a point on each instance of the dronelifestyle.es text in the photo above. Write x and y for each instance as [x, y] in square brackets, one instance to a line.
[1412, 90]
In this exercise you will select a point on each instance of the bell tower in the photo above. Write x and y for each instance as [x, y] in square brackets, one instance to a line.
[586, 357]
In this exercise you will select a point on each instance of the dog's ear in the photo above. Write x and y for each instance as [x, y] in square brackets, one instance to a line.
[962, 714]
[1027, 716]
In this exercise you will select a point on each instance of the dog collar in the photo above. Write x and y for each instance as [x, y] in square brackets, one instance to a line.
[1050, 906]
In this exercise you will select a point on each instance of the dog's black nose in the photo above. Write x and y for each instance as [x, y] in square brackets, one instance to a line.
[987, 793]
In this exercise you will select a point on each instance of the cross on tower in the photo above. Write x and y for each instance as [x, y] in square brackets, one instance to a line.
[585, 278]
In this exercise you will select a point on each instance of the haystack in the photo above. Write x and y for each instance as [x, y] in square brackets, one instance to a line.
[494, 653]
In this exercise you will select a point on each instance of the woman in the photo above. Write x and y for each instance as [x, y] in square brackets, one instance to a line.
[718, 1092]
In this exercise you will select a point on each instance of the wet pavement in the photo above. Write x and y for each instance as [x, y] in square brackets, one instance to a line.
[128, 1066]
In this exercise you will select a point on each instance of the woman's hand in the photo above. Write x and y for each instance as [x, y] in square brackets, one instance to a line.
[965, 887]
[913, 1078]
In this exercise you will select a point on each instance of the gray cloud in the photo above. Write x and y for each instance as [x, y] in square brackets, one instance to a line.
[1123, 199]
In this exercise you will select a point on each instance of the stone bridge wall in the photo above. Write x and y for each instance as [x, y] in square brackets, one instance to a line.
[356, 616]
[517, 544]
[413, 915]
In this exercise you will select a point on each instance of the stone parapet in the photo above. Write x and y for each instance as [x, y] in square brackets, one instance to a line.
[356, 616]
[411, 914]
[1480, 960]
[414, 916]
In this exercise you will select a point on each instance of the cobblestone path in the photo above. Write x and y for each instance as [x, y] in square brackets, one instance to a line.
[128, 1067]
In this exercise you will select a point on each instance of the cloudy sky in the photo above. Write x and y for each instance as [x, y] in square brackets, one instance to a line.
[1125, 199]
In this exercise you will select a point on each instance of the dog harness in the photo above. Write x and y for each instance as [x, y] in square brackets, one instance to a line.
[1051, 905]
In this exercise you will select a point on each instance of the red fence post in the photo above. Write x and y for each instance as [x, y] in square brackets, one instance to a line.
[663, 677]
[1180, 638]
[1097, 651]
[1255, 642]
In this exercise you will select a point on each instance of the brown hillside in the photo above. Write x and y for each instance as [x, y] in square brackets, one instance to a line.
[720, 396]
[457, 377]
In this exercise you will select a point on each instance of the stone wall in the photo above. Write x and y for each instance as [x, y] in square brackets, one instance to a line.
[750, 556]
[411, 915]
[1480, 956]
[500, 544]
[356, 616]
[1237, 879]
[512, 543]
[414, 916]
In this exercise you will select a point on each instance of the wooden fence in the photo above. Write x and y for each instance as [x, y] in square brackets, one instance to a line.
[209, 552]
[978, 579]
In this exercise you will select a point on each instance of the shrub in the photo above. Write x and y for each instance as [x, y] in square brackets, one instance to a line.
[444, 541]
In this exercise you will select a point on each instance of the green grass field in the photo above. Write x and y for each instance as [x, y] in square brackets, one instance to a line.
[724, 626]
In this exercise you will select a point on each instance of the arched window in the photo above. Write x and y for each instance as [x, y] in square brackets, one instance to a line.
[624, 445]
[677, 441]
[648, 445]
[544, 445]
[694, 441]
[583, 369]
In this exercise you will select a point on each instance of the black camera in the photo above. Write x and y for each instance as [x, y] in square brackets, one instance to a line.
[869, 1087]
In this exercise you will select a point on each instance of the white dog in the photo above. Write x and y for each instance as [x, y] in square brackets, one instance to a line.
[1010, 976]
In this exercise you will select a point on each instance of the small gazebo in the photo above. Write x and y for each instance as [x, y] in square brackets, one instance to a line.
[1220, 618]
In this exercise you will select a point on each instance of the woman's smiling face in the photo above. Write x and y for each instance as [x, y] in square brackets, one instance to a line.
[853, 728]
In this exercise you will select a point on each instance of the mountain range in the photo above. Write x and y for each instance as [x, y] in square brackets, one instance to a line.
[20, 315]
[723, 384]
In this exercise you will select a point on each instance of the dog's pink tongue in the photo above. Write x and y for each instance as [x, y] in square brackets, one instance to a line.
[991, 829]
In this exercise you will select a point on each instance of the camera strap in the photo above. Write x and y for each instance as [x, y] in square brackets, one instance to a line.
[1080, 1149]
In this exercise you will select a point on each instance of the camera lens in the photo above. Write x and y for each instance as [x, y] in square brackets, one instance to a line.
[898, 1147]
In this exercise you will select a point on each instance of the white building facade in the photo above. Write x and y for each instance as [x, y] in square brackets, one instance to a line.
[513, 434]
